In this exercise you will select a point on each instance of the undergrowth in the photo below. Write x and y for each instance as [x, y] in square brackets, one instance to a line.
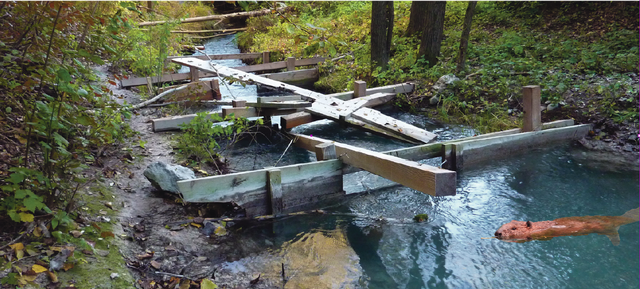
[567, 48]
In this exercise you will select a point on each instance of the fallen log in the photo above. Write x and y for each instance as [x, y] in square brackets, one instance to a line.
[216, 17]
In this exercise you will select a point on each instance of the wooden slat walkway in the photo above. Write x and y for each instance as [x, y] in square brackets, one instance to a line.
[323, 105]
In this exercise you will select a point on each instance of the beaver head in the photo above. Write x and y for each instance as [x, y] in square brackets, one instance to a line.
[515, 230]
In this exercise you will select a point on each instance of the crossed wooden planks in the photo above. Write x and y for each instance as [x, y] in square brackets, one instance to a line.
[325, 106]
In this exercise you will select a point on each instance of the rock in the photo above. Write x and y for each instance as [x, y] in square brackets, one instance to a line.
[434, 100]
[165, 177]
[444, 81]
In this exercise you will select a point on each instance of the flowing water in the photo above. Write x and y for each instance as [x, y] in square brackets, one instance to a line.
[447, 251]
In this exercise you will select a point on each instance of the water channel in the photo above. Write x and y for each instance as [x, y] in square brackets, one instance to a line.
[447, 251]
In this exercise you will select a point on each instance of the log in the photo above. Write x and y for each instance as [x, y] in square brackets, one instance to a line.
[216, 17]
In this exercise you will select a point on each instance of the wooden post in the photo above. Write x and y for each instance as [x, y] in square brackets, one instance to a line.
[150, 85]
[326, 151]
[215, 89]
[239, 103]
[274, 179]
[265, 57]
[359, 88]
[532, 118]
[291, 64]
[194, 74]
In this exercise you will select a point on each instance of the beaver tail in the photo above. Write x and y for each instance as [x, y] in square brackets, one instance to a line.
[633, 214]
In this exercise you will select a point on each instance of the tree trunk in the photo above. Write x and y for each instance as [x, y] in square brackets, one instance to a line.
[464, 39]
[432, 35]
[417, 18]
[381, 32]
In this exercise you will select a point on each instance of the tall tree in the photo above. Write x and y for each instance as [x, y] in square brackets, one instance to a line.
[381, 32]
[432, 35]
[464, 39]
[416, 19]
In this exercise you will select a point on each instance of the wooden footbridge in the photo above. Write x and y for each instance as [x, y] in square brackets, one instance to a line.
[276, 190]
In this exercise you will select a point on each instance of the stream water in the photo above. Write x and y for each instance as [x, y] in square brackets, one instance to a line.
[447, 251]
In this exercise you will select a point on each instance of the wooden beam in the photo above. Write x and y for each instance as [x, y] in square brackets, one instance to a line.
[325, 106]
[265, 57]
[326, 151]
[241, 56]
[279, 98]
[238, 103]
[296, 75]
[275, 191]
[200, 90]
[359, 88]
[295, 119]
[240, 111]
[207, 31]
[173, 122]
[395, 88]
[420, 177]
[291, 63]
[215, 17]
[531, 107]
[302, 186]
[470, 152]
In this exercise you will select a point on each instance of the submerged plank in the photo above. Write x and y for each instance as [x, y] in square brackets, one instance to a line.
[466, 153]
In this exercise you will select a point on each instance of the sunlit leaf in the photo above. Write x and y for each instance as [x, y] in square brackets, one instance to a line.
[38, 269]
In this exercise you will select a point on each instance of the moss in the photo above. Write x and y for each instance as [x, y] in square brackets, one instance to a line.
[421, 218]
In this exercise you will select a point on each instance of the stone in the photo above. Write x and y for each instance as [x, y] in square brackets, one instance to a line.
[444, 81]
[434, 100]
[165, 177]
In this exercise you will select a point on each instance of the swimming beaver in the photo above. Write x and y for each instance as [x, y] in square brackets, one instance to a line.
[519, 231]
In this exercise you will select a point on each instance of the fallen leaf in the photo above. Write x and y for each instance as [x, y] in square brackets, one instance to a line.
[67, 266]
[220, 231]
[208, 284]
[17, 246]
[37, 232]
[53, 277]
[38, 269]
[196, 225]
[155, 264]
[107, 234]
[144, 256]
[76, 233]
[109, 205]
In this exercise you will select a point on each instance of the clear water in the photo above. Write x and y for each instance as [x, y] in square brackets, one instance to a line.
[323, 251]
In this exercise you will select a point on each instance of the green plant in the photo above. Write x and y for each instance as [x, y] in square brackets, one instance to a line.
[201, 135]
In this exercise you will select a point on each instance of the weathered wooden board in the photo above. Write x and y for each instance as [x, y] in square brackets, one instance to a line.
[459, 155]
[173, 122]
[323, 105]
[387, 123]
[432, 150]
[420, 177]
[297, 75]
[295, 119]
[242, 56]
[395, 88]
[239, 111]
[301, 185]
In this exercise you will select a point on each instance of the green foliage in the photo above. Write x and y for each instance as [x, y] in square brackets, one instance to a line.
[200, 139]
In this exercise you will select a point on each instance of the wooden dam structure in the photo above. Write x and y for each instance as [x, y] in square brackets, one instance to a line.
[284, 189]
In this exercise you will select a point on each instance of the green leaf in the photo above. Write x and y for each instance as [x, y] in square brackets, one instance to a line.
[291, 29]
[33, 203]
[64, 75]
[20, 194]
[60, 140]
[8, 109]
[16, 178]
[14, 215]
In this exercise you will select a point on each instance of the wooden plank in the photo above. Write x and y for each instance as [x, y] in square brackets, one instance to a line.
[265, 57]
[275, 191]
[242, 56]
[323, 105]
[206, 31]
[295, 119]
[309, 61]
[378, 119]
[238, 103]
[470, 152]
[395, 88]
[531, 106]
[173, 122]
[240, 111]
[302, 185]
[263, 100]
[295, 75]
[420, 177]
